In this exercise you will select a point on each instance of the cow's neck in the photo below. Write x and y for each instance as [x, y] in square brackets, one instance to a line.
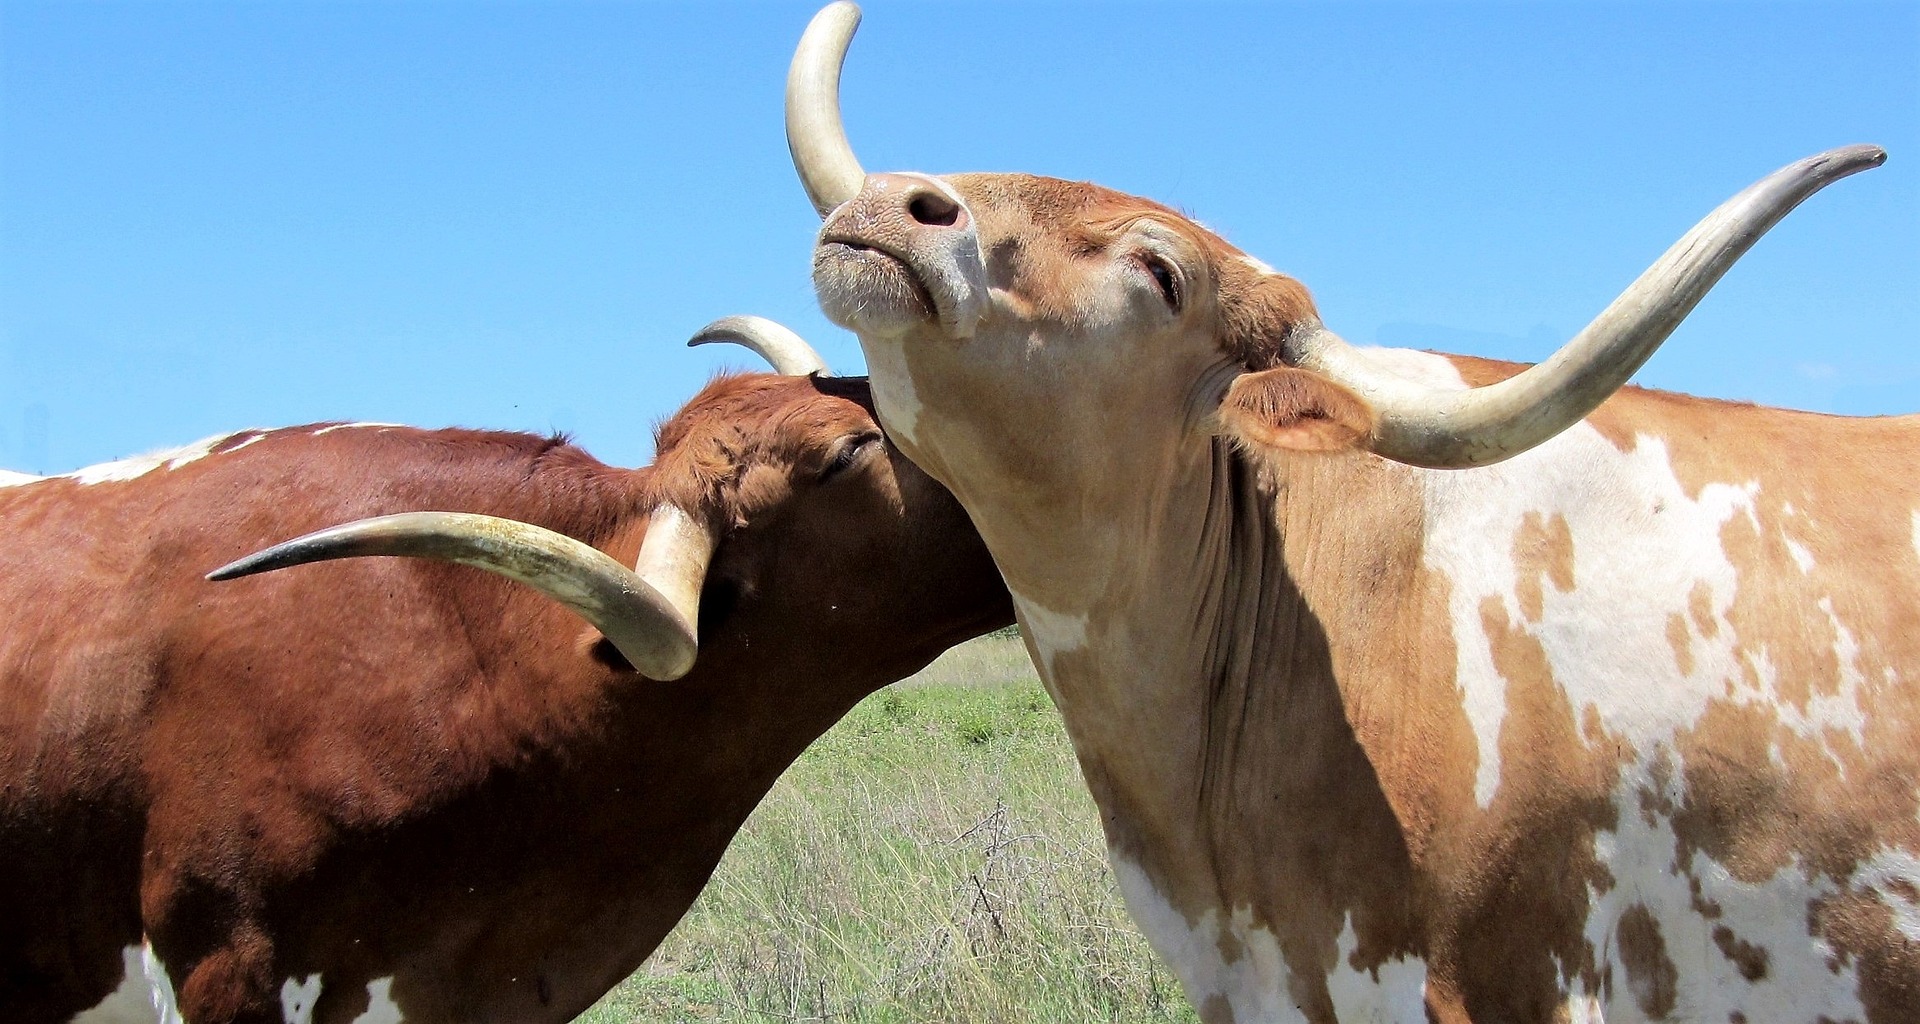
[1206, 687]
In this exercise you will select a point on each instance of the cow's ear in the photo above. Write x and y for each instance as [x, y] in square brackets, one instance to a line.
[1296, 410]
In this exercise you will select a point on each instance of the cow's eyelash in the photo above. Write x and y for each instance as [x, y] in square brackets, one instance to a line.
[1164, 276]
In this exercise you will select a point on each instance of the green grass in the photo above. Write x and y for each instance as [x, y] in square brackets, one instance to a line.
[934, 857]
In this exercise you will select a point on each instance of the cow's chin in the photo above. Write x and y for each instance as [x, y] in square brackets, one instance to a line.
[869, 292]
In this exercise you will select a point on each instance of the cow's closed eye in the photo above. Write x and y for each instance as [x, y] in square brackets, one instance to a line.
[847, 455]
[1165, 277]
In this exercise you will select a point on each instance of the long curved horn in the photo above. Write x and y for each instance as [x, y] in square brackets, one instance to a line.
[650, 616]
[1456, 429]
[828, 169]
[788, 352]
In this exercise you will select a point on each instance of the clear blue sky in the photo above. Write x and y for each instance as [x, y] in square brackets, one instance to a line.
[220, 215]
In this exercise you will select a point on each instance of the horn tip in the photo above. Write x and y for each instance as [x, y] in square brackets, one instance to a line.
[235, 569]
[725, 329]
[841, 9]
[667, 673]
[1860, 157]
[283, 555]
[675, 649]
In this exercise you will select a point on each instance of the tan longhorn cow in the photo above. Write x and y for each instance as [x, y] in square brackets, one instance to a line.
[398, 789]
[1415, 687]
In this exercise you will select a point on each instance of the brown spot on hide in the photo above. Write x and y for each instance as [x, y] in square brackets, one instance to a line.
[1861, 927]
[1592, 729]
[1700, 610]
[1681, 640]
[1542, 555]
[1749, 958]
[1651, 976]
[1740, 807]
[1654, 803]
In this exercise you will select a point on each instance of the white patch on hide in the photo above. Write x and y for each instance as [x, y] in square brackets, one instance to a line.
[145, 995]
[1801, 981]
[255, 439]
[1434, 371]
[1798, 551]
[297, 999]
[1892, 876]
[9, 478]
[892, 383]
[1393, 991]
[354, 426]
[1641, 546]
[141, 465]
[1259, 265]
[1051, 633]
[1254, 986]
[381, 1009]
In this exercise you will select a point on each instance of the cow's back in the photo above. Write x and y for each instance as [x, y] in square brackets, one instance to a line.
[147, 715]
[1704, 619]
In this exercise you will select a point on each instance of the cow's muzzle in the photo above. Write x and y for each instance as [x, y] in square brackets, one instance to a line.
[902, 227]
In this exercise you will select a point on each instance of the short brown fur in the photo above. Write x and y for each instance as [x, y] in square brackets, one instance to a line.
[396, 768]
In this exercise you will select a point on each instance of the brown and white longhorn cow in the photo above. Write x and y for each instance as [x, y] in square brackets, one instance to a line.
[406, 790]
[1415, 687]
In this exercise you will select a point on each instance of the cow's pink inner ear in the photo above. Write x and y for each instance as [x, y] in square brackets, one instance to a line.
[1296, 410]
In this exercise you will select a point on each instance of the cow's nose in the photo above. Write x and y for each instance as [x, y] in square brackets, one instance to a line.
[933, 209]
[925, 202]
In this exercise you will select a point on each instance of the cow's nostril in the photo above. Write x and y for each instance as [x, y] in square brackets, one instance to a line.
[933, 209]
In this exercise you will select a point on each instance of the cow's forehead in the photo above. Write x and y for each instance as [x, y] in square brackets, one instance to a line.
[1070, 212]
[771, 408]
[745, 422]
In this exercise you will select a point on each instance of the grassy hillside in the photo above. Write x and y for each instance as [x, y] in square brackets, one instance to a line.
[933, 858]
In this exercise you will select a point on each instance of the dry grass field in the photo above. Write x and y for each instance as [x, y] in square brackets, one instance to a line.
[932, 858]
